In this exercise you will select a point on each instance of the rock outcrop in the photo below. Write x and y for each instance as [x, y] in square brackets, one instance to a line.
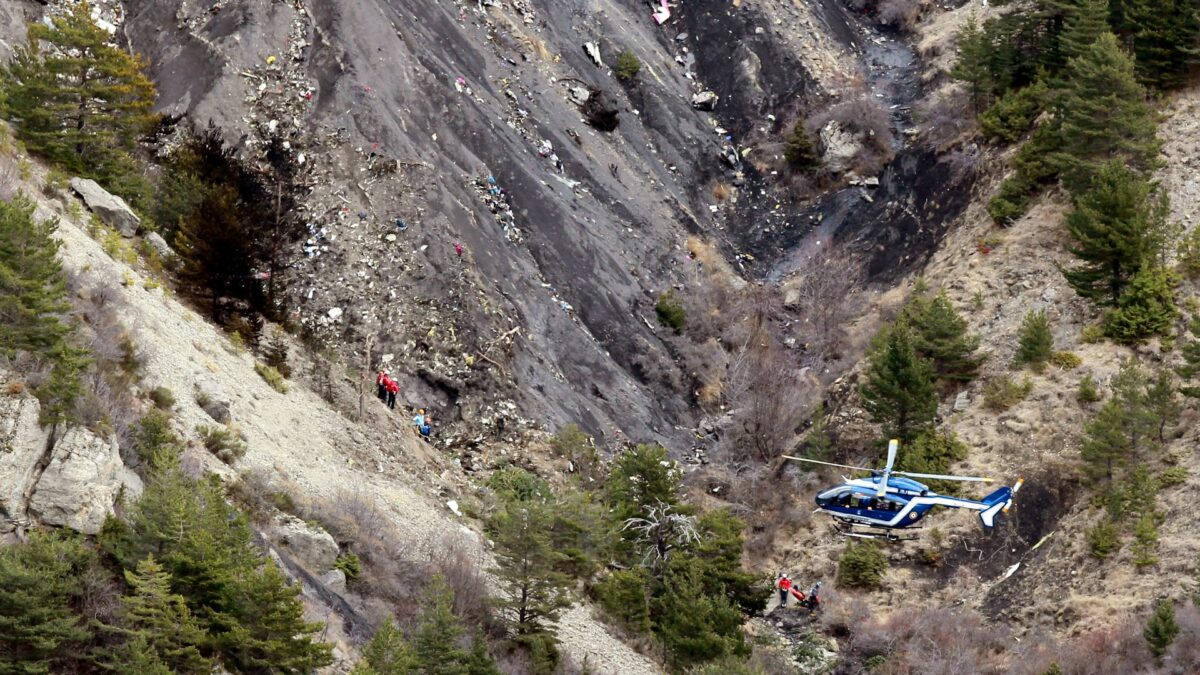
[311, 546]
[111, 209]
[80, 485]
[214, 401]
[22, 445]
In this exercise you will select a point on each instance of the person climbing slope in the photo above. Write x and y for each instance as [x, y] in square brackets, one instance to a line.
[381, 384]
[393, 388]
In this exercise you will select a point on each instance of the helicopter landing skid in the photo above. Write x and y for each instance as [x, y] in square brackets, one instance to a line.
[847, 530]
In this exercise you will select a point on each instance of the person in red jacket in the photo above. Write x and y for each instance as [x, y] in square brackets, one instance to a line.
[381, 384]
[393, 388]
[785, 586]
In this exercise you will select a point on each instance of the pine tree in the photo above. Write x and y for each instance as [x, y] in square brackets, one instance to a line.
[435, 641]
[899, 390]
[971, 66]
[940, 334]
[1145, 541]
[388, 653]
[1191, 360]
[242, 600]
[82, 103]
[1083, 25]
[799, 151]
[479, 661]
[1166, 36]
[271, 634]
[1162, 404]
[1115, 227]
[535, 592]
[1146, 308]
[719, 553]
[275, 354]
[138, 658]
[39, 583]
[641, 477]
[1161, 630]
[1035, 342]
[693, 626]
[160, 623]
[1116, 434]
[1101, 115]
[33, 305]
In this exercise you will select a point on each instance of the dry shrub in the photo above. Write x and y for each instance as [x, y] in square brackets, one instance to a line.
[842, 614]
[932, 642]
[1185, 650]
[1119, 648]
[946, 119]
[902, 14]
[824, 298]
[14, 388]
[721, 191]
[459, 564]
[866, 117]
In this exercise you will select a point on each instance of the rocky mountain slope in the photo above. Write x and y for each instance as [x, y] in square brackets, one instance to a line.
[407, 119]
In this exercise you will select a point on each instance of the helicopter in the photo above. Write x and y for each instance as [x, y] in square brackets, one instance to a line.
[889, 500]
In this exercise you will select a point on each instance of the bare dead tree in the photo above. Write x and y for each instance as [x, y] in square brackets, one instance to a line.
[824, 303]
[661, 532]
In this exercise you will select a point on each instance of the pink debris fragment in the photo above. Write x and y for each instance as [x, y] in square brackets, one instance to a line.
[662, 13]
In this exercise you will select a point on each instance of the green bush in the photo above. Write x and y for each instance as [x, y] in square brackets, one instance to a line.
[1089, 391]
[1146, 308]
[1009, 204]
[624, 596]
[862, 565]
[1103, 539]
[222, 442]
[670, 311]
[1188, 253]
[272, 376]
[799, 151]
[1066, 360]
[1002, 392]
[628, 66]
[1145, 541]
[163, 398]
[1176, 475]
[1012, 116]
[349, 564]
[1161, 630]
[1035, 342]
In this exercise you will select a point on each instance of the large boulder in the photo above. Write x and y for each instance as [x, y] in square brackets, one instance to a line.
[80, 484]
[161, 247]
[22, 444]
[112, 210]
[840, 146]
[214, 401]
[308, 544]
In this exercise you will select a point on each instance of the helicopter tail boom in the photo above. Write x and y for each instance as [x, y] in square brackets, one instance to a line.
[996, 502]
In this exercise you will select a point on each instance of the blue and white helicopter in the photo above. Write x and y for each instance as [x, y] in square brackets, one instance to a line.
[891, 500]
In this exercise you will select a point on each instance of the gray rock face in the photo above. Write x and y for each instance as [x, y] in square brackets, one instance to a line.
[840, 147]
[111, 209]
[160, 246]
[335, 580]
[22, 442]
[214, 401]
[81, 482]
[311, 546]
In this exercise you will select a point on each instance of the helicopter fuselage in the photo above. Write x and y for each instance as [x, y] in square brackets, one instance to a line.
[903, 503]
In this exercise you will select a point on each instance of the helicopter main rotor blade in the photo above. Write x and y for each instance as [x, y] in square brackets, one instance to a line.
[965, 479]
[817, 461]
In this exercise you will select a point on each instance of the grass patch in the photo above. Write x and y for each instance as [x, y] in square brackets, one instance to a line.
[272, 376]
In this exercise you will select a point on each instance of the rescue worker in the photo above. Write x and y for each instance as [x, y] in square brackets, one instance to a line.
[785, 587]
[393, 388]
[381, 381]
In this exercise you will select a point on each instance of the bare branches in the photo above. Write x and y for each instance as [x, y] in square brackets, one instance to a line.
[661, 532]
